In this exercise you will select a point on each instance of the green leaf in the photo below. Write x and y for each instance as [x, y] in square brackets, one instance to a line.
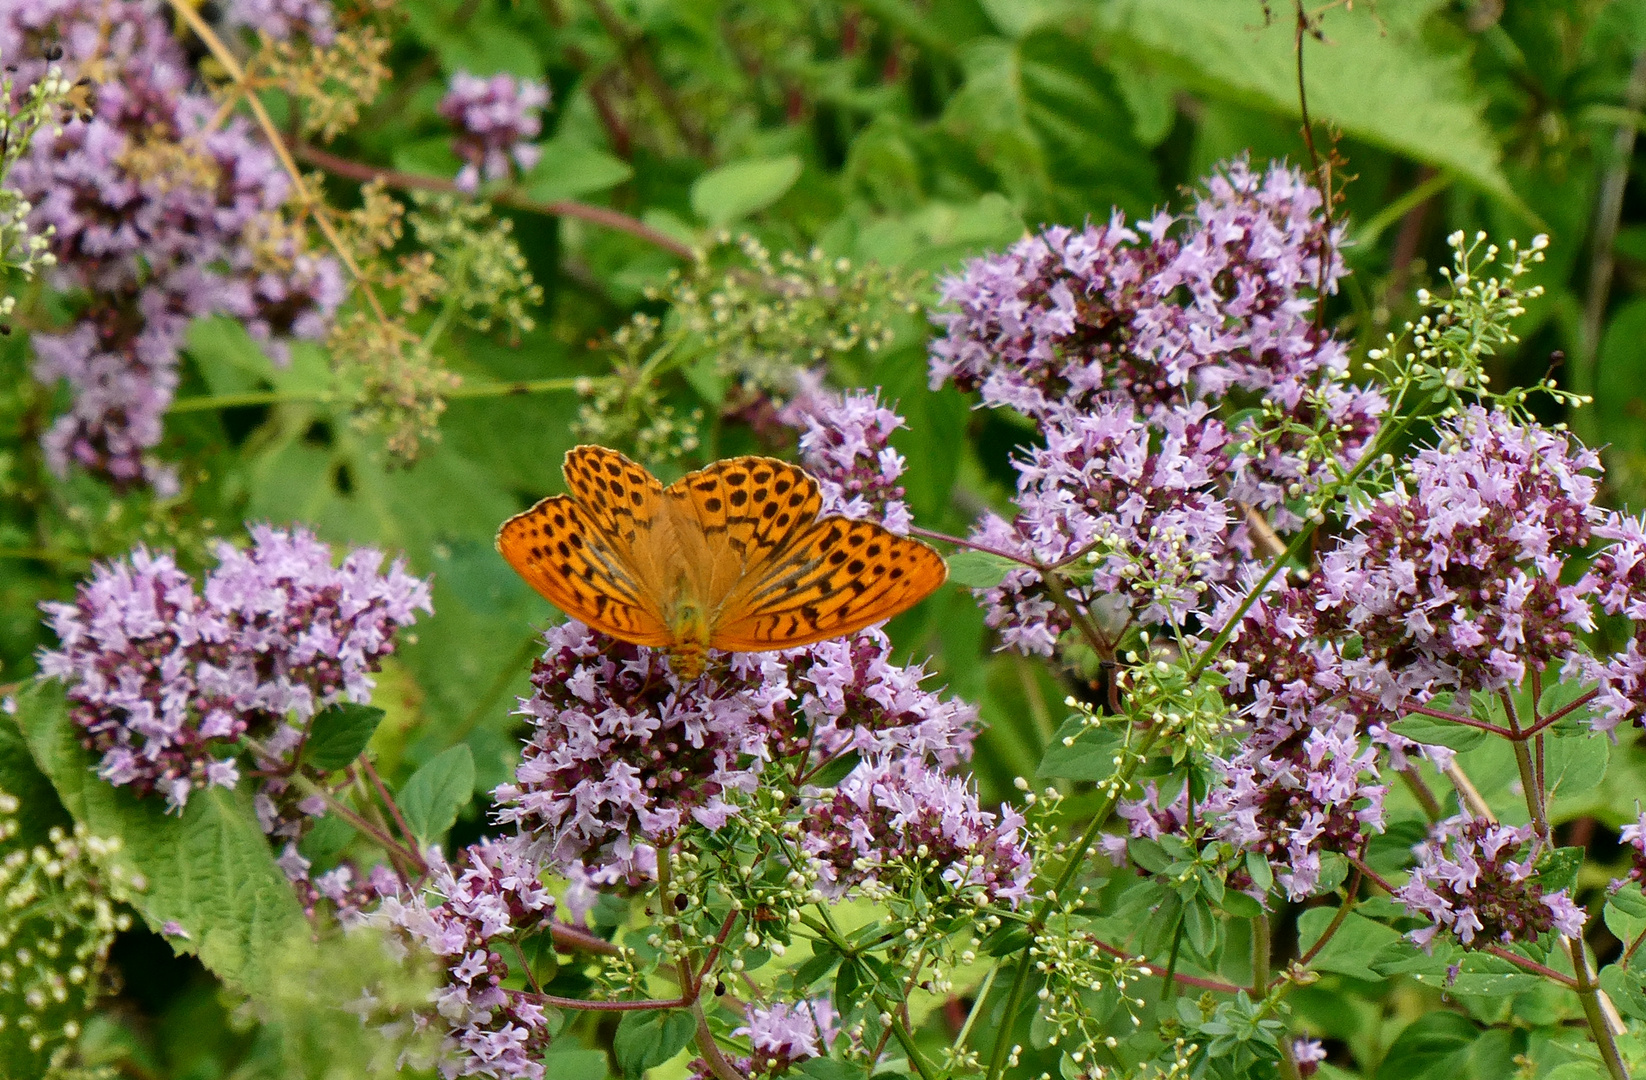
[338, 734]
[1351, 948]
[428, 157]
[1050, 124]
[645, 1040]
[1435, 732]
[1148, 854]
[825, 1068]
[980, 569]
[1626, 990]
[1625, 913]
[209, 868]
[1089, 757]
[571, 170]
[1558, 869]
[733, 192]
[431, 799]
[1435, 1046]
[1391, 77]
[1257, 865]
[575, 1064]
[226, 356]
[1575, 764]
[1200, 927]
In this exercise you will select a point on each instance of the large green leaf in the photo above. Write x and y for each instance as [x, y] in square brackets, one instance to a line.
[1046, 118]
[431, 799]
[1393, 77]
[1351, 948]
[209, 869]
[735, 191]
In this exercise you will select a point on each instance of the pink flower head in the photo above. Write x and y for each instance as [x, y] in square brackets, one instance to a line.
[1475, 881]
[889, 822]
[496, 119]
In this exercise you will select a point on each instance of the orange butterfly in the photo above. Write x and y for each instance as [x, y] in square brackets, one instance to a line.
[732, 557]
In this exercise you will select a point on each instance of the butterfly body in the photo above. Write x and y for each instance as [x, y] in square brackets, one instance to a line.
[735, 556]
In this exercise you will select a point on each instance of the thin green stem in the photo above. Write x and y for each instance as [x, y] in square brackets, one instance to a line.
[916, 1058]
[1077, 856]
[1386, 438]
[977, 1006]
[1168, 985]
[1262, 947]
[329, 397]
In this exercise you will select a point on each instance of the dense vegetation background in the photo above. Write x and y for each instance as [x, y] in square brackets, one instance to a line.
[904, 136]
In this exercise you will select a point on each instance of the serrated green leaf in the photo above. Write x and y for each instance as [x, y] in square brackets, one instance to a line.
[435, 793]
[980, 569]
[645, 1040]
[209, 868]
[338, 734]
[1390, 78]
[733, 192]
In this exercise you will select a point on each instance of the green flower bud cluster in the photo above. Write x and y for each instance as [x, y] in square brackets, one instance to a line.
[58, 916]
[479, 262]
[762, 318]
[37, 108]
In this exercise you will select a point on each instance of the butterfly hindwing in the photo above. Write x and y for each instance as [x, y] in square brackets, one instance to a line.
[749, 509]
[755, 503]
[563, 554]
[837, 577]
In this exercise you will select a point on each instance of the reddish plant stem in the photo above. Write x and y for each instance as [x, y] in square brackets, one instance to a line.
[388, 799]
[1415, 709]
[569, 938]
[638, 59]
[928, 534]
[1533, 966]
[581, 1005]
[714, 954]
[598, 215]
[1350, 895]
[1371, 875]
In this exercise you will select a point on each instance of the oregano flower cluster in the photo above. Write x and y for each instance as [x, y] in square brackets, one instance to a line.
[165, 676]
[162, 216]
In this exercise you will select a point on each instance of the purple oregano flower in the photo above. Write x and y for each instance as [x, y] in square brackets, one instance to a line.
[163, 680]
[496, 119]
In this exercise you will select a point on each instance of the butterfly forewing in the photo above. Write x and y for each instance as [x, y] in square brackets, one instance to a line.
[836, 577]
[621, 498]
[575, 564]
